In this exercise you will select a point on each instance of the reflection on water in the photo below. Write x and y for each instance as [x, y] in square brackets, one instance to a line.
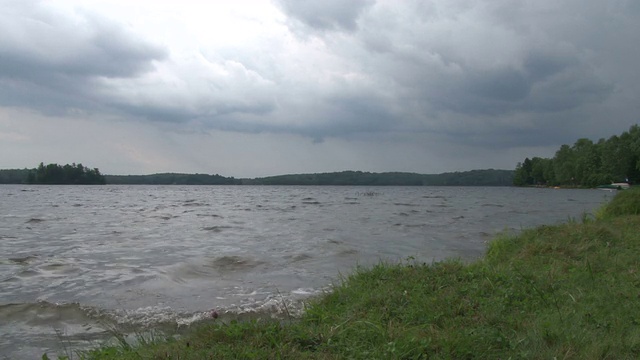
[81, 259]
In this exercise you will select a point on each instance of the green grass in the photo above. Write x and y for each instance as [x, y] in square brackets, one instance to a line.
[624, 203]
[570, 291]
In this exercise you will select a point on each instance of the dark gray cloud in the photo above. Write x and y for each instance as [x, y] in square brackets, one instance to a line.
[327, 14]
[348, 116]
[541, 87]
[456, 64]
[52, 60]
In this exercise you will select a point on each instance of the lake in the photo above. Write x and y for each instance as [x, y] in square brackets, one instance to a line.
[78, 260]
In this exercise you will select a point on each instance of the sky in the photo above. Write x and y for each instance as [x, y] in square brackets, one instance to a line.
[252, 88]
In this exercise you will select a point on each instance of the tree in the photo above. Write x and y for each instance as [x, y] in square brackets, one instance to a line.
[586, 163]
[563, 165]
[55, 174]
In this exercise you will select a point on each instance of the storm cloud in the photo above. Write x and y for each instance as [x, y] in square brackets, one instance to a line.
[52, 60]
[328, 14]
[495, 76]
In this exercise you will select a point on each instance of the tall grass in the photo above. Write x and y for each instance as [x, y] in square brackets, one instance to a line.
[554, 292]
[624, 203]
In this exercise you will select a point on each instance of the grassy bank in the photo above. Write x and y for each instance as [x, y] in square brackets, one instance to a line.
[568, 292]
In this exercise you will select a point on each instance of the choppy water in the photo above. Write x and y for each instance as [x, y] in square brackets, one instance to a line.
[75, 261]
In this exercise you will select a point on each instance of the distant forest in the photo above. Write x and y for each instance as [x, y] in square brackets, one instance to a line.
[53, 174]
[586, 164]
[488, 177]
[172, 179]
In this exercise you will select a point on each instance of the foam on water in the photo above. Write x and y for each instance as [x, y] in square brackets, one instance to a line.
[55, 328]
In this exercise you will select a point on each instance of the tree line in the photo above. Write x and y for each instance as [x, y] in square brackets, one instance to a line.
[488, 177]
[55, 174]
[172, 179]
[74, 174]
[585, 163]
[14, 176]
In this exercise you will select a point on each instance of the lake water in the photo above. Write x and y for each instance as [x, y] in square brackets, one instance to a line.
[76, 261]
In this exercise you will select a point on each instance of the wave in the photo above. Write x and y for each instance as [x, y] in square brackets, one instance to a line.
[233, 263]
[210, 215]
[22, 260]
[210, 268]
[34, 221]
[299, 257]
[42, 316]
[216, 229]
[43, 313]
[194, 204]
[406, 204]
[492, 205]
[33, 320]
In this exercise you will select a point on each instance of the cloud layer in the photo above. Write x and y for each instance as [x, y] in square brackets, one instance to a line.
[491, 75]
